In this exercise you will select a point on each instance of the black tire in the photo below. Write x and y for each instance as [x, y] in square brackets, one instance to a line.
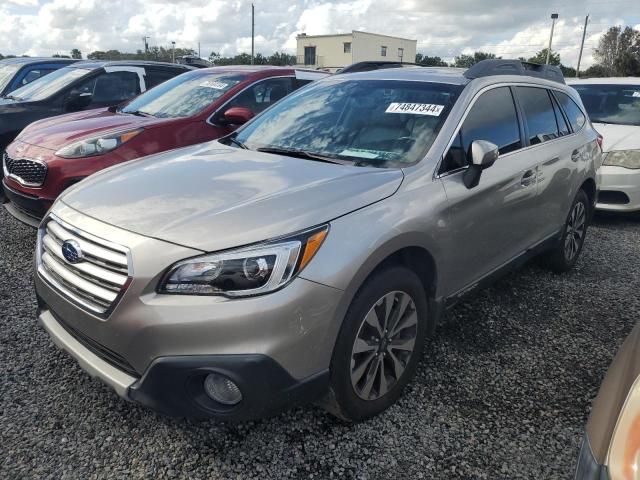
[397, 283]
[561, 259]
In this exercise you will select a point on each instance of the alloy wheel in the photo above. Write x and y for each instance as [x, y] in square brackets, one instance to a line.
[576, 226]
[384, 345]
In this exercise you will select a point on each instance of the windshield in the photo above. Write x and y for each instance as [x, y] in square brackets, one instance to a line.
[618, 104]
[386, 123]
[6, 74]
[185, 95]
[46, 86]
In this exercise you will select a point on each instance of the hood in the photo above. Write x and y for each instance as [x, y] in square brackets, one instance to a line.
[212, 197]
[54, 133]
[618, 137]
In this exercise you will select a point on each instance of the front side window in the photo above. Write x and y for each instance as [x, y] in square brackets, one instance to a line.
[383, 123]
[35, 74]
[616, 104]
[383, 51]
[262, 95]
[50, 84]
[184, 95]
[156, 76]
[111, 87]
[493, 118]
[538, 113]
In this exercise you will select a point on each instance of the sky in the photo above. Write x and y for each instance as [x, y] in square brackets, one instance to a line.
[445, 28]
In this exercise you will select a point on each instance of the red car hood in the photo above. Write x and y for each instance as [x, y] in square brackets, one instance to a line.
[54, 133]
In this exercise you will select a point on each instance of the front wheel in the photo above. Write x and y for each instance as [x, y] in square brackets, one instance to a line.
[379, 346]
[565, 255]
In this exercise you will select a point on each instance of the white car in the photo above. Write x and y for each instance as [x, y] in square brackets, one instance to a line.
[613, 104]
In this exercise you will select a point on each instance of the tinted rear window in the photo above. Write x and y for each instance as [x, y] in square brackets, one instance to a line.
[617, 104]
[538, 113]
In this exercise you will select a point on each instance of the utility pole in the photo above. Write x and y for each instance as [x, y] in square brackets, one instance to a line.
[584, 34]
[173, 52]
[253, 28]
[554, 16]
[146, 47]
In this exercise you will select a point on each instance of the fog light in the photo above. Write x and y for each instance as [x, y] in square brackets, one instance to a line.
[222, 389]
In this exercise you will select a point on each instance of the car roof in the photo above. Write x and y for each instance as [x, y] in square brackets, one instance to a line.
[426, 74]
[259, 69]
[31, 60]
[92, 64]
[605, 80]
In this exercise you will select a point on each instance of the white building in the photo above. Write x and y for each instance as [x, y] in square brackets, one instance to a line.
[331, 52]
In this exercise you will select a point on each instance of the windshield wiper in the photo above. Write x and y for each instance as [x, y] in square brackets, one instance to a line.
[303, 154]
[139, 113]
[238, 143]
[11, 97]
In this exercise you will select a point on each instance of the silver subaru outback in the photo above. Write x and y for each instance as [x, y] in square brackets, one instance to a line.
[308, 256]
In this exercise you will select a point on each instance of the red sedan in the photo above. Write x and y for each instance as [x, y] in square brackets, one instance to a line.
[50, 155]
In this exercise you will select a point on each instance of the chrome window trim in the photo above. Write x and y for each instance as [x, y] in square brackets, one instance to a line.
[19, 179]
[483, 90]
[251, 85]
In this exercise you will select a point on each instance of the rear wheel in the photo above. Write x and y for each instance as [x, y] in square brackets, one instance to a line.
[565, 255]
[379, 345]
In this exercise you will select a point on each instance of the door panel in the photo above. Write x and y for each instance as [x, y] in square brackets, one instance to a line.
[493, 222]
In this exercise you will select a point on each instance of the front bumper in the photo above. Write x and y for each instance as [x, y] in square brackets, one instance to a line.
[26, 208]
[588, 468]
[619, 189]
[174, 385]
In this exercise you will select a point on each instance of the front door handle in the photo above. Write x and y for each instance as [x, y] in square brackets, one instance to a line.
[529, 178]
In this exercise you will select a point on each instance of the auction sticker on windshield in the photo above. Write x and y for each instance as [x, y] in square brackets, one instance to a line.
[416, 108]
[214, 84]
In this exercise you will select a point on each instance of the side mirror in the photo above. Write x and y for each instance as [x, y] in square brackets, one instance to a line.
[238, 115]
[483, 155]
[78, 100]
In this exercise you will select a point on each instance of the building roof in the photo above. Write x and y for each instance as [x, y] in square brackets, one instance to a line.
[28, 60]
[304, 35]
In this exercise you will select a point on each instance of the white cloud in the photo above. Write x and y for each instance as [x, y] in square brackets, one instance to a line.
[442, 27]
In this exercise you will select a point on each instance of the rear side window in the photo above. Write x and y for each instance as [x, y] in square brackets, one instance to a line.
[493, 117]
[155, 76]
[563, 126]
[539, 114]
[576, 117]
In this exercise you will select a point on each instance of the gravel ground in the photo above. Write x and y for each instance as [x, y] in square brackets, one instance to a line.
[503, 391]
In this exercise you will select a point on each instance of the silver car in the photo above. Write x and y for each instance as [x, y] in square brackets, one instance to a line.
[309, 255]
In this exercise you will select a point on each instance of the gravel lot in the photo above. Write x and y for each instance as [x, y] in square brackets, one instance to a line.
[503, 391]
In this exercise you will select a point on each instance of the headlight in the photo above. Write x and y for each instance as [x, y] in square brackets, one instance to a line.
[623, 158]
[247, 271]
[97, 145]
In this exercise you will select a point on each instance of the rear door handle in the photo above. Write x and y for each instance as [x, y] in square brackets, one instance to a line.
[529, 178]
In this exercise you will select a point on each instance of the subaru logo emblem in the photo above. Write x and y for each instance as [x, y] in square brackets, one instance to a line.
[72, 252]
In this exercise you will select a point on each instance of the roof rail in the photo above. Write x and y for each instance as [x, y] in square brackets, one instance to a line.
[374, 65]
[498, 66]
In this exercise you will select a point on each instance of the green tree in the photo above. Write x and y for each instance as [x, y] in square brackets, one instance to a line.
[58, 55]
[541, 57]
[596, 70]
[466, 61]
[618, 51]
[428, 61]
[75, 53]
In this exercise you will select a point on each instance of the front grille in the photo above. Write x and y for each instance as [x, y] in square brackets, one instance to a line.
[30, 173]
[99, 350]
[98, 275]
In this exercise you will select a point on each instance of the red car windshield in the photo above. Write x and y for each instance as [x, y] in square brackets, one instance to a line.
[185, 95]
